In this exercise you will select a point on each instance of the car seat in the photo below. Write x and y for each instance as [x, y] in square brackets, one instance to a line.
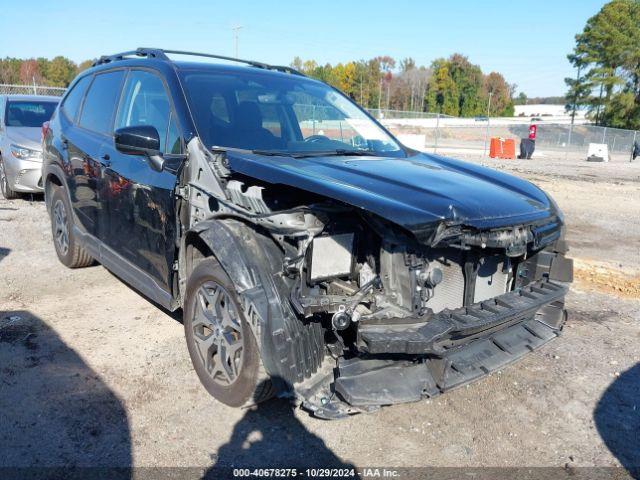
[248, 131]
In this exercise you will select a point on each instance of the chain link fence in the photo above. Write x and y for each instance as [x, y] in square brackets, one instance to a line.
[553, 140]
[6, 89]
[381, 114]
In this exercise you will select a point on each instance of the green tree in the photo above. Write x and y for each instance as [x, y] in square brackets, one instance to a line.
[521, 99]
[10, 70]
[501, 101]
[442, 91]
[468, 79]
[608, 52]
[60, 71]
[84, 65]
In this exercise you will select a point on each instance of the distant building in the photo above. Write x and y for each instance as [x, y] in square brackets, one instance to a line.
[544, 111]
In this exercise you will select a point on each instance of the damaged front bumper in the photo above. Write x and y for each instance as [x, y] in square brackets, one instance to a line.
[406, 362]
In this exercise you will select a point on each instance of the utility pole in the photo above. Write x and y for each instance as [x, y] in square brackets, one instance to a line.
[236, 29]
[486, 134]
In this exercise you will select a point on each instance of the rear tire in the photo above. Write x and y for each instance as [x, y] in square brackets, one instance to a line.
[222, 346]
[7, 192]
[69, 252]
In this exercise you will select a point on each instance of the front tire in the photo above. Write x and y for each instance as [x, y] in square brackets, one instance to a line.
[7, 192]
[222, 347]
[69, 252]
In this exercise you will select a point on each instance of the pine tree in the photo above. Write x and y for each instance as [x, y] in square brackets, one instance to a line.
[607, 53]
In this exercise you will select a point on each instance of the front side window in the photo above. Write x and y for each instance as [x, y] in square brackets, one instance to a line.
[145, 102]
[174, 142]
[71, 103]
[100, 103]
[34, 113]
[280, 113]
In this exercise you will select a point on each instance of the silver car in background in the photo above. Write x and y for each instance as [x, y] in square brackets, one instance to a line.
[21, 119]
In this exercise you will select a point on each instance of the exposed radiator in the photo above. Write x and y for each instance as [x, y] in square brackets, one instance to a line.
[491, 281]
[450, 292]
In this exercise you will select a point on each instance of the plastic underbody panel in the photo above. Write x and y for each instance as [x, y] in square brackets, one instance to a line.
[406, 363]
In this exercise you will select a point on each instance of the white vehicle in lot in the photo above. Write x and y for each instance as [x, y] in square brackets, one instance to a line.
[21, 119]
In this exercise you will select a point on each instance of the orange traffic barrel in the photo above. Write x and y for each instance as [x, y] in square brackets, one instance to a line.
[502, 148]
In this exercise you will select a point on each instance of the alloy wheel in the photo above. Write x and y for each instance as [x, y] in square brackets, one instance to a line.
[60, 227]
[217, 333]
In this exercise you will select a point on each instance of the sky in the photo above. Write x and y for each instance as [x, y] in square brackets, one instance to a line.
[526, 41]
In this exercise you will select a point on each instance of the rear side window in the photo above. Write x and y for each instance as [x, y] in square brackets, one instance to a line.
[72, 102]
[100, 104]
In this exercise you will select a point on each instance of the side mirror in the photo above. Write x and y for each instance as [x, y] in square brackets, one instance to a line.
[140, 140]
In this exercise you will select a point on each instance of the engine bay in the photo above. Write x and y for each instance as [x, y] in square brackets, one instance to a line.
[345, 266]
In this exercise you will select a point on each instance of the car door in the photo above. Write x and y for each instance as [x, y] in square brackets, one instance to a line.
[84, 142]
[141, 200]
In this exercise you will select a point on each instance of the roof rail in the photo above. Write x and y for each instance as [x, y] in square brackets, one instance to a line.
[140, 52]
[161, 54]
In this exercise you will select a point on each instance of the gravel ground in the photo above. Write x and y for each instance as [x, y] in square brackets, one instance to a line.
[91, 373]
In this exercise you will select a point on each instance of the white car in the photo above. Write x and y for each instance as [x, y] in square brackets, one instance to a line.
[21, 119]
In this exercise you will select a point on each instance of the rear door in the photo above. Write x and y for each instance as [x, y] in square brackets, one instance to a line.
[141, 201]
[84, 142]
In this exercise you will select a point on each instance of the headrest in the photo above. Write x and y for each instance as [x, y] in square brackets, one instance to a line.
[248, 116]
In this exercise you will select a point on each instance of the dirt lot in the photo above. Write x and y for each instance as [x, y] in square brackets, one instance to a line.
[91, 373]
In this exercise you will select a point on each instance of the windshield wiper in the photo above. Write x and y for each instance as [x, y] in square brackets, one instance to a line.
[272, 153]
[327, 153]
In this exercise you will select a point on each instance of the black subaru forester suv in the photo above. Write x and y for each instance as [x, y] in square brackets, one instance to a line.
[312, 254]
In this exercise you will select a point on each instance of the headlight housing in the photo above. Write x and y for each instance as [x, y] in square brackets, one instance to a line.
[555, 208]
[24, 153]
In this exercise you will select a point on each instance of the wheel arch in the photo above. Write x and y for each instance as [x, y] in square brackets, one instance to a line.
[53, 175]
[291, 349]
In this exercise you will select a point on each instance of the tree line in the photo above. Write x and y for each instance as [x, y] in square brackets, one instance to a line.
[451, 86]
[58, 72]
[607, 61]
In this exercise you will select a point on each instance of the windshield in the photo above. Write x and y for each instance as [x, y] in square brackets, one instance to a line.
[280, 115]
[29, 113]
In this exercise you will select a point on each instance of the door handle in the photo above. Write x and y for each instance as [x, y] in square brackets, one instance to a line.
[105, 160]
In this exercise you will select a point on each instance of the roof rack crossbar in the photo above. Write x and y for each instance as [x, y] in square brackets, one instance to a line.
[140, 52]
[162, 55]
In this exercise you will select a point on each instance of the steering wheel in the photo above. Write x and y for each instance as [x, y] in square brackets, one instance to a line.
[316, 139]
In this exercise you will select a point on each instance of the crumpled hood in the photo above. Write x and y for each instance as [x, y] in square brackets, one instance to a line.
[28, 137]
[412, 192]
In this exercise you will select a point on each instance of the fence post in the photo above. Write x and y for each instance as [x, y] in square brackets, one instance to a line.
[313, 110]
[435, 147]
[566, 149]
[604, 135]
[486, 133]
[486, 139]
[633, 145]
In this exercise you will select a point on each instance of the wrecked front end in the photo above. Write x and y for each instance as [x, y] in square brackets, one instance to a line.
[411, 320]
[404, 313]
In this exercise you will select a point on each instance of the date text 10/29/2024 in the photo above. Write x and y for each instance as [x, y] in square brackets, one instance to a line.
[315, 473]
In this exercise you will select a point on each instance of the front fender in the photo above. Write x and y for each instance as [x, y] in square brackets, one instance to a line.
[253, 262]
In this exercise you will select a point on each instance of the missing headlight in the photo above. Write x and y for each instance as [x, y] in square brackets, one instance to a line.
[331, 256]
